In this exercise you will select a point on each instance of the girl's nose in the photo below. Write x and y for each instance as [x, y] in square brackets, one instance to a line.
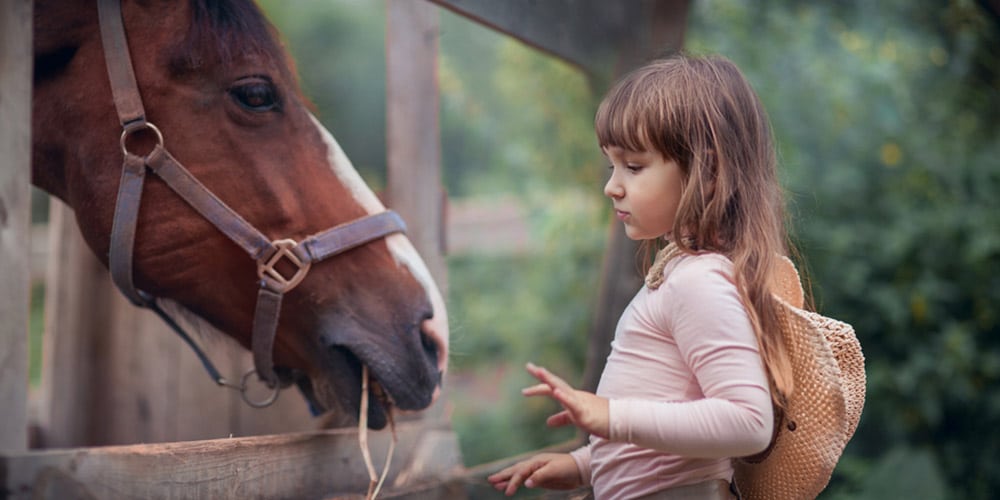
[612, 188]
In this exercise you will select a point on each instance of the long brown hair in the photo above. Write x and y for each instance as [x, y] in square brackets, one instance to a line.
[703, 114]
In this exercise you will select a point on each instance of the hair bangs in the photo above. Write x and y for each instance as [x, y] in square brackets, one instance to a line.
[643, 113]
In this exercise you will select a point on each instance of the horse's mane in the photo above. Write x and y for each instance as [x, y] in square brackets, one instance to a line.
[223, 32]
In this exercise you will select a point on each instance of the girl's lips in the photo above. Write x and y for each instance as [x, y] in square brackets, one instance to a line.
[621, 215]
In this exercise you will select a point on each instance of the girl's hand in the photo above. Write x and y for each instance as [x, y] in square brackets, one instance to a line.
[585, 410]
[556, 471]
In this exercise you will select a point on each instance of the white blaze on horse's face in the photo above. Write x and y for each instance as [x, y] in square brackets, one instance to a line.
[437, 327]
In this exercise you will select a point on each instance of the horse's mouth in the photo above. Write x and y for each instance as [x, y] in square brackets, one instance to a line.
[339, 390]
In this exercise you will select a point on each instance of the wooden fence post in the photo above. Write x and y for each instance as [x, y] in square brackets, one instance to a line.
[413, 138]
[15, 161]
[413, 154]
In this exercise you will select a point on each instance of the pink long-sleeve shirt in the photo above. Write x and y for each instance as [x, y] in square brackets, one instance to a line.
[686, 386]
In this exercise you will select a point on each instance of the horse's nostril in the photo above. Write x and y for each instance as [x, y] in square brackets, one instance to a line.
[430, 347]
[434, 341]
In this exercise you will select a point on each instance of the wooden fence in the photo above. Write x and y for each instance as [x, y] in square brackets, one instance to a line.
[15, 152]
[113, 375]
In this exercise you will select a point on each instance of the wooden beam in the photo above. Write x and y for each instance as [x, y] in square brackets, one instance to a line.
[603, 38]
[15, 193]
[306, 465]
[413, 140]
[76, 318]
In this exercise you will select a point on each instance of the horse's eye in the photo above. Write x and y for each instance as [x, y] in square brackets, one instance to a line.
[255, 94]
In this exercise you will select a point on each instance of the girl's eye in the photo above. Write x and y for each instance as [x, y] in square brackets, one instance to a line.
[633, 168]
[255, 94]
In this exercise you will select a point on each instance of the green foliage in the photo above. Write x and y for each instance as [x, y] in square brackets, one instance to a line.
[36, 329]
[512, 122]
[885, 114]
[506, 311]
[914, 474]
[339, 51]
[516, 121]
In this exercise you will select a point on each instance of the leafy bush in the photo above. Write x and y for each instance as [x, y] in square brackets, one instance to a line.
[885, 116]
[884, 113]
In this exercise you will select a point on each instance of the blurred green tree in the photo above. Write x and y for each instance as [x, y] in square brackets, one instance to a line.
[886, 118]
[513, 122]
[885, 115]
[339, 51]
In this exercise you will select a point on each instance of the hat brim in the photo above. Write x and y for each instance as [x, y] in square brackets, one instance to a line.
[823, 410]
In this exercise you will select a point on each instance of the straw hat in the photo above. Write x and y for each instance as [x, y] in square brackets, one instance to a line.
[824, 408]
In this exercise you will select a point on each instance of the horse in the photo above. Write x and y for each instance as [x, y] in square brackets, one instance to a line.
[229, 117]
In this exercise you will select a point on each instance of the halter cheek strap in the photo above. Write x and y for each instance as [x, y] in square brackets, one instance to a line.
[268, 254]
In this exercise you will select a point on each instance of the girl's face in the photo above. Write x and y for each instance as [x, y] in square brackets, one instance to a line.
[645, 189]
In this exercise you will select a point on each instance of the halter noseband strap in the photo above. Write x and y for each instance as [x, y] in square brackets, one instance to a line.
[267, 253]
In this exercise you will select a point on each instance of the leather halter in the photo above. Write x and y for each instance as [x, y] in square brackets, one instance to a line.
[267, 253]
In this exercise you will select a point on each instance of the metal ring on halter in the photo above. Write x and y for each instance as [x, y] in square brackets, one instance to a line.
[135, 127]
[257, 404]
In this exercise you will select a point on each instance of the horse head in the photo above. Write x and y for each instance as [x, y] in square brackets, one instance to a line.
[215, 81]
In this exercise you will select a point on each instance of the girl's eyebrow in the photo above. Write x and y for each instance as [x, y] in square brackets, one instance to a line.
[635, 155]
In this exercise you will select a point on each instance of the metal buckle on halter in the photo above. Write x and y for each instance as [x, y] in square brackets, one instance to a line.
[266, 269]
[135, 127]
[244, 390]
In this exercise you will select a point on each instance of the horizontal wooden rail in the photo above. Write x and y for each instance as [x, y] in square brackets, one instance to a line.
[323, 464]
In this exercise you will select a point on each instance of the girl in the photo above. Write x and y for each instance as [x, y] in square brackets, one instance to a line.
[696, 357]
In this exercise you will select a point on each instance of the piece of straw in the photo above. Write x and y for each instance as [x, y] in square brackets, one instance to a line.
[375, 482]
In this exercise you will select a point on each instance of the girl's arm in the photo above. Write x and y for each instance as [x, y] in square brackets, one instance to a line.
[700, 306]
[734, 418]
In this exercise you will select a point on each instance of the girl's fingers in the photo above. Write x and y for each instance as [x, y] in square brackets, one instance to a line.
[502, 475]
[554, 387]
[518, 479]
[559, 419]
[567, 399]
[509, 479]
[537, 390]
[502, 480]
[512, 485]
[547, 377]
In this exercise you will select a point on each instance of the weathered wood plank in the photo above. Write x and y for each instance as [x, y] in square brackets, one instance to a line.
[15, 158]
[413, 143]
[116, 374]
[302, 466]
[76, 316]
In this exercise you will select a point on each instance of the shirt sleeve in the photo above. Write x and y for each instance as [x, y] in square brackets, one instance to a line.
[582, 458]
[701, 307]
